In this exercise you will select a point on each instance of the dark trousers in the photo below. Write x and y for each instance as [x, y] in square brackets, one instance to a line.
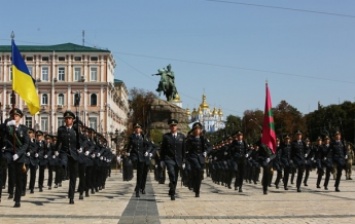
[50, 175]
[11, 178]
[287, 170]
[142, 172]
[82, 178]
[88, 178]
[266, 177]
[17, 180]
[340, 168]
[320, 172]
[4, 174]
[33, 171]
[278, 177]
[240, 173]
[41, 176]
[59, 173]
[173, 172]
[195, 174]
[73, 170]
[299, 176]
[328, 170]
[24, 180]
[94, 177]
[308, 170]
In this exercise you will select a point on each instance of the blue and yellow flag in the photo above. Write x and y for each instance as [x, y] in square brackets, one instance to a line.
[22, 82]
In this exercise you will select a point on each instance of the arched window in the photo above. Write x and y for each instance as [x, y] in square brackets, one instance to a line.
[44, 99]
[61, 99]
[93, 99]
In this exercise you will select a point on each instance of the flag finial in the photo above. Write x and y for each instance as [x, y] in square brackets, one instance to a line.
[12, 35]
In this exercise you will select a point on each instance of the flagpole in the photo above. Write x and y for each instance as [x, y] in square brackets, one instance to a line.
[13, 96]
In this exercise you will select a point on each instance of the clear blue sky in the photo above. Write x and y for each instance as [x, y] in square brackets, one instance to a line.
[203, 34]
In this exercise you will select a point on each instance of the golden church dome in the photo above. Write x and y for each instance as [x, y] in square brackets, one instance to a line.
[188, 112]
[220, 112]
[177, 98]
[204, 104]
[194, 112]
[214, 112]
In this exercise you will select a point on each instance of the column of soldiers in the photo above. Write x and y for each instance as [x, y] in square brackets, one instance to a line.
[77, 152]
[234, 159]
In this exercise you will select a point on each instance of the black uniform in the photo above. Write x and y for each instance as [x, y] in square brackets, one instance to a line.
[16, 142]
[67, 146]
[196, 148]
[43, 162]
[337, 155]
[239, 151]
[285, 157]
[33, 150]
[173, 153]
[138, 147]
[298, 151]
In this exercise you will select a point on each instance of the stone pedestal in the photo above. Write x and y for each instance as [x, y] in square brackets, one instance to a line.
[160, 113]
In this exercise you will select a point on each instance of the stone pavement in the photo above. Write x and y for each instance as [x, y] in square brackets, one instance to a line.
[217, 204]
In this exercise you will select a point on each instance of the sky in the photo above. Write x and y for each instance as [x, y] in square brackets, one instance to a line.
[225, 49]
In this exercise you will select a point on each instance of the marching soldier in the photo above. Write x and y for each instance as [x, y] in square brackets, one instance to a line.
[33, 155]
[16, 144]
[319, 157]
[298, 152]
[138, 150]
[51, 160]
[285, 157]
[67, 148]
[308, 161]
[196, 149]
[43, 158]
[327, 162]
[172, 154]
[239, 151]
[349, 162]
[338, 155]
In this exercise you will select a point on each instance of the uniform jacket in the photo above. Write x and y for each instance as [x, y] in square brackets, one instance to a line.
[67, 142]
[16, 141]
[173, 148]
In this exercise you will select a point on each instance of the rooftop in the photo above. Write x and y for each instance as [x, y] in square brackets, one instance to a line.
[66, 47]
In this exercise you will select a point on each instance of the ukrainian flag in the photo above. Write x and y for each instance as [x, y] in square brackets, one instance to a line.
[22, 82]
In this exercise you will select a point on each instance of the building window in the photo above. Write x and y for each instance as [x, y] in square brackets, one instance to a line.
[45, 74]
[77, 58]
[60, 121]
[61, 74]
[44, 99]
[93, 122]
[10, 74]
[61, 99]
[77, 73]
[94, 58]
[44, 124]
[45, 59]
[61, 59]
[93, 99]
[30, 69]
[74, 99]
[29, 122]
[93, 74]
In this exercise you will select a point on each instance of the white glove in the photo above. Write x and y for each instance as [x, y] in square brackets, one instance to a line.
[45, 156]
[162, 164]
[28, 154]
[15, 157]
[306, 155]
[36, 155]
[105, 159]
[93, 156]
[56, 153]
[156, 166]
[225, 153]
[101, 158]
[87, 153]
[183, 166]
[150, 155]
[215, 158]
[98, 154]
[312, 159]
[53, 156]
[146, 154]
[246, 155]
[325, 159]
[346, 157]
[12, 122]
[80, 150]
[128, 154]
[267, 160]
[204, 154]
[118, 159]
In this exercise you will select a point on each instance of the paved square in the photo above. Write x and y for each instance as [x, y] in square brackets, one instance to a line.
[217, 204]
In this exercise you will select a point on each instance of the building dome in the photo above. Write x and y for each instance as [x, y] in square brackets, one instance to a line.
[220, 112]
[177, 98]
[194, 112]
[204, 104]
[200, 110]
[214, 112]
[188, 112]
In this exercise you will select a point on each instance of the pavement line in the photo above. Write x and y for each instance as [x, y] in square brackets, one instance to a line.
[260, 217]
[143, 209]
